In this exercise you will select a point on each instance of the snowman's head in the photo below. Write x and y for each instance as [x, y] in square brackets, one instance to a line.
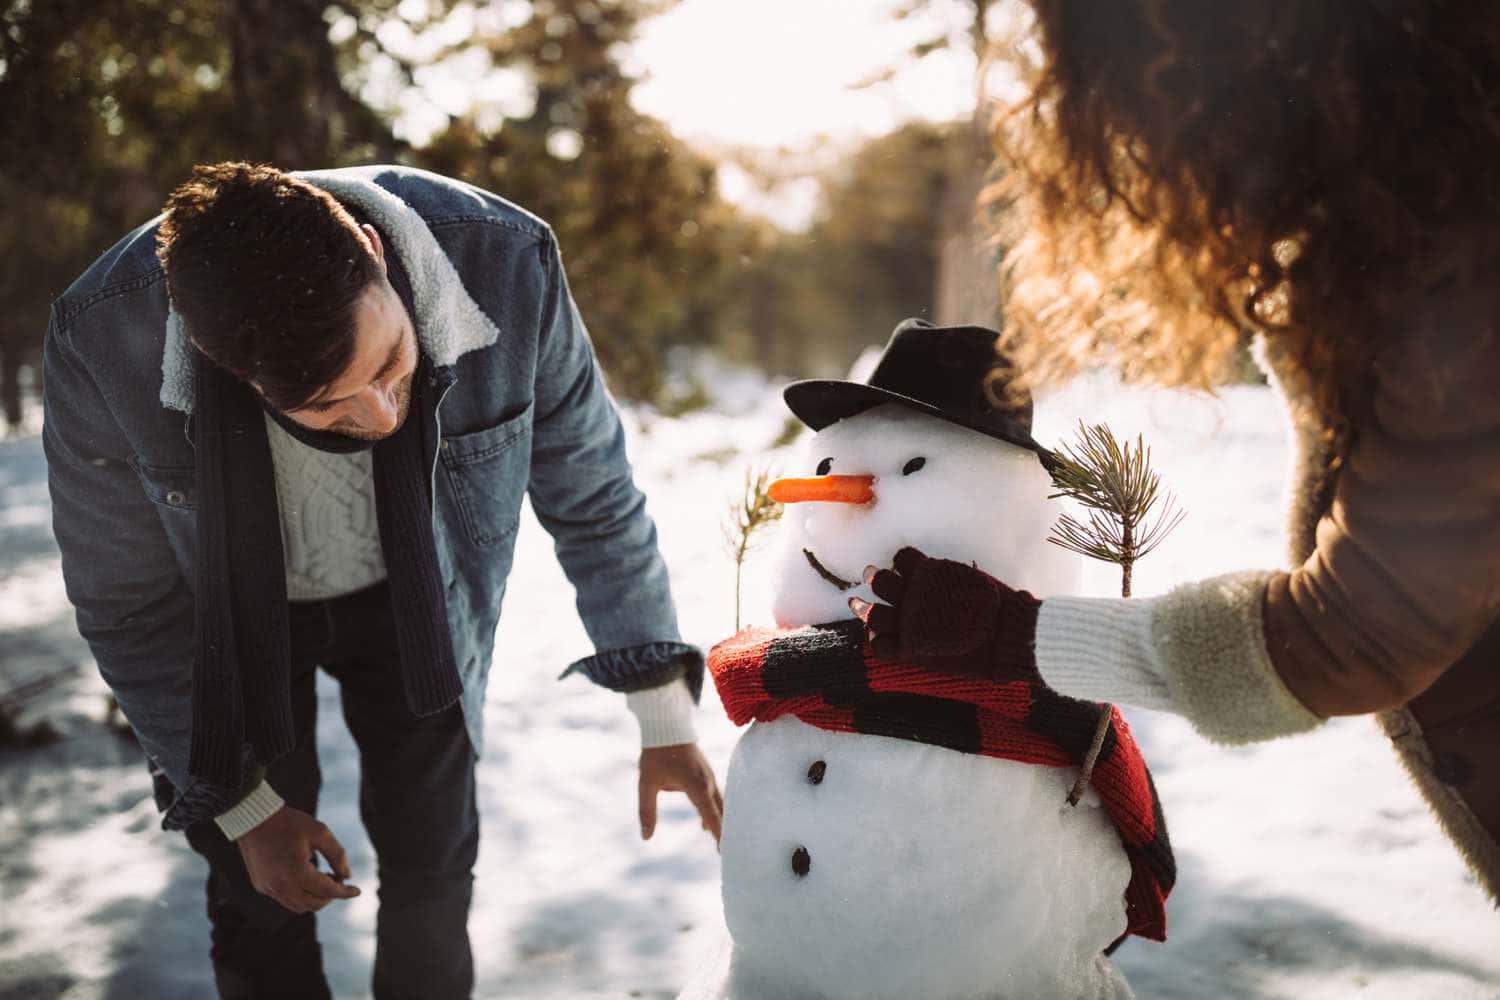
[893, 476]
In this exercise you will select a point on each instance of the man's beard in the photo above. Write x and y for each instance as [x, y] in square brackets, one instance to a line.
[349, 428]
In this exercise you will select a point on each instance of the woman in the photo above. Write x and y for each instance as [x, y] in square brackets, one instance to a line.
[1326, 175]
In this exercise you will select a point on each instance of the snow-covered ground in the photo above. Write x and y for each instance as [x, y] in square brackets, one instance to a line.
[1309, 868]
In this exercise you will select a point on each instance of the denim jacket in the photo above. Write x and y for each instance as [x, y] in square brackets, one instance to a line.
[520, 406]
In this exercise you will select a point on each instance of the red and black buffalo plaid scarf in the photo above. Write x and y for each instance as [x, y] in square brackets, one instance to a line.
[826, 676]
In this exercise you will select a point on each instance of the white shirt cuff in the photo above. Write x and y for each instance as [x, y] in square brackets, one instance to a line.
[665, 714]
[250, 812]
[1100, 649]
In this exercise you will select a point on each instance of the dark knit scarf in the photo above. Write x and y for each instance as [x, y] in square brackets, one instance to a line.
[826, 676]
[242, 665]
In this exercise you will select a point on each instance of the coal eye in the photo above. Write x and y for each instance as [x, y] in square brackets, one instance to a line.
[913, 466]
[824, 466]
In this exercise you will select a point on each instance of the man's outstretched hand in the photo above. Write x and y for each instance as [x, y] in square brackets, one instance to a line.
[279, 857]
[680, 768]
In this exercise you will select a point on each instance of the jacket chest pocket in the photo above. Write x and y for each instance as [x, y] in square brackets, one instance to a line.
[168, 488]
[487, 472]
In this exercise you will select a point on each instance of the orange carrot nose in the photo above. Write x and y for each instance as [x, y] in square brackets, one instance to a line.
[827, 489]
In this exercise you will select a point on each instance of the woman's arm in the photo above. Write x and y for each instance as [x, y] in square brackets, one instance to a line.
[1405, 575]
[1406, 572]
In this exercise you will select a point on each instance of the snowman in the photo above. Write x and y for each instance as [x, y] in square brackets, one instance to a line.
[872, 847]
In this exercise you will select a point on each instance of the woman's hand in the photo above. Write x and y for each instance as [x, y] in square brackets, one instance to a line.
[949, 616]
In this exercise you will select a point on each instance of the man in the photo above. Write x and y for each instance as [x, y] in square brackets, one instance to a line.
[290, 424]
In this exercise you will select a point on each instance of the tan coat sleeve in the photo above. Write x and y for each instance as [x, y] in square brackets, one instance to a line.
[1405, 575]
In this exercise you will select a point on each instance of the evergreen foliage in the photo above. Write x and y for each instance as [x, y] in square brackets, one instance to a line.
[1121, 492]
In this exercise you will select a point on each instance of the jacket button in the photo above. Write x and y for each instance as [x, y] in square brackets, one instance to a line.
[175, 497]
[801, 862]
[1451, 769]
[816, 772]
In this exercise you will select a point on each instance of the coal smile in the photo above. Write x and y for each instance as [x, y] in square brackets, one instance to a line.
[826, 573]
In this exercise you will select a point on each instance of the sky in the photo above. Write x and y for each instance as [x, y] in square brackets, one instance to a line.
[788, 82]
[762, 75]
[780, 73]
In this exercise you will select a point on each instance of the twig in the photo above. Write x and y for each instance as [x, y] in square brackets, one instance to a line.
[747, 516]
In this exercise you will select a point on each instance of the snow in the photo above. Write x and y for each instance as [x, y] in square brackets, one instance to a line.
[1308, 867]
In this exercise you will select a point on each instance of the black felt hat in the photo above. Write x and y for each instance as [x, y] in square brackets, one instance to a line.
[941, 370]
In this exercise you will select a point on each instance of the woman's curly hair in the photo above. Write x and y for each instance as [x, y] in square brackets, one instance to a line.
[1185, 172]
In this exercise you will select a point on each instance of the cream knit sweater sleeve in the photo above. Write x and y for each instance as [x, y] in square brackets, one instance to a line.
[250, 812]
[1198, 651]
[665, 714]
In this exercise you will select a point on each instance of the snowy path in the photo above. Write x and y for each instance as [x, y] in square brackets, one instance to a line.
[1309, 869]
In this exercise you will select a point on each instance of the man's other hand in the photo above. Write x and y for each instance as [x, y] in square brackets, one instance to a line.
[680, 768]
[279, 857]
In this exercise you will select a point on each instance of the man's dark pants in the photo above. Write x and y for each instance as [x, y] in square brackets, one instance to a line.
[417, 800]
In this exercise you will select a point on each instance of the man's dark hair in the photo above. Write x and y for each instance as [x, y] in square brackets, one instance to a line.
[266, 270]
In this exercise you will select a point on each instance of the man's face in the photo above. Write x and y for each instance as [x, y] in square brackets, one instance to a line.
[370, 399]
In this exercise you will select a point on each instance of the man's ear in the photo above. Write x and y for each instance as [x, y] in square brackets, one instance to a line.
[376, 247]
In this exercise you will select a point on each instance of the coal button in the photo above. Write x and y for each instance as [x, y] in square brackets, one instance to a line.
[801, 862]
[816, 772]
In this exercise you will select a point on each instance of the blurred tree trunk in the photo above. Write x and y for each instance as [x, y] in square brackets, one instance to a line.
[10, 388]
[967, 282]
[286, 83]
[764, 335]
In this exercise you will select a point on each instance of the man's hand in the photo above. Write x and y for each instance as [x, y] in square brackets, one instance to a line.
[279, 856]
[680, 768]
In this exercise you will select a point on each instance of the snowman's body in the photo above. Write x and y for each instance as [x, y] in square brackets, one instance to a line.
[929, 873]
[870, 867]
